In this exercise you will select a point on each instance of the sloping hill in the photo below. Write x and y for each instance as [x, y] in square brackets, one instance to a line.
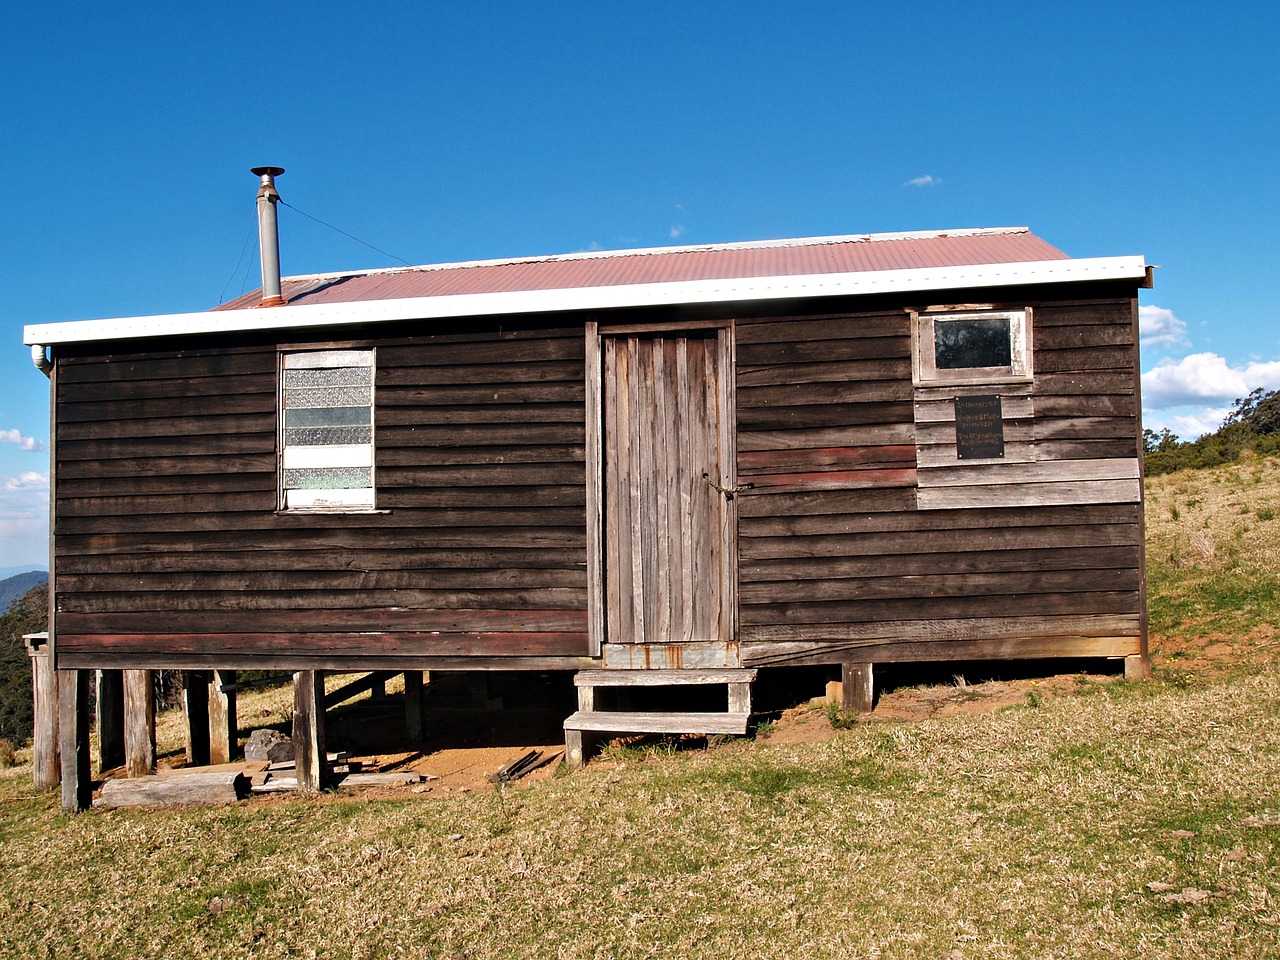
[11, 588]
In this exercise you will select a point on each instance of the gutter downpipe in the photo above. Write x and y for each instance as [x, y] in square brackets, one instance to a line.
[41, 359]
[269, 235]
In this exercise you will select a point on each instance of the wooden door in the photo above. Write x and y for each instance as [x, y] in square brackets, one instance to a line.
[668, 525]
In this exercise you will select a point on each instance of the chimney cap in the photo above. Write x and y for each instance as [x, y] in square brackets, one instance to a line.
[266, 171]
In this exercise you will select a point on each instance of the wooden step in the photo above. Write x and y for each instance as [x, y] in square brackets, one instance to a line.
[618, 721]
[661, 678]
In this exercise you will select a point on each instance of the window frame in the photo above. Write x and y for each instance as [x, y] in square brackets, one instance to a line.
[344, 500]
[925, 370]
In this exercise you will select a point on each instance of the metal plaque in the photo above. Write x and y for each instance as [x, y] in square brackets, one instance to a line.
[979, 428]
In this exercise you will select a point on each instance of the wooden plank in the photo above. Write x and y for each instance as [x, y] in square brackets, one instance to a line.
[984, 627]
[851, 435]
[1031, 495]
[205, 788]
[164, 660]
[830, 480]
[195, 709]
[191, 424]
[224, 742]
[938, 608]
[928, 651]
[887, 372]
[415, 704]
[331, 644]
[840, 458]
[840, 392]
[824, 351]
[628, 722]
[139, 723]
[369, 682]
[857, 687]
[476, 374]
[670, 656]
[661, 678]
[823, 416]
[421, 622]
[941, 584]
[309, 730]
[481, 395]
[924, 564]
[45, 761]
[835, 327]
[943, 410]
[109, 709]
[73, 739]
[161, 601]
[1048, 472]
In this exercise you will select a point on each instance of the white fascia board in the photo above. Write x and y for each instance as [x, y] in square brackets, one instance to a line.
[590, 298]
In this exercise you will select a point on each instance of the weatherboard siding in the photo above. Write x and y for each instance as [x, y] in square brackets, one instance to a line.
[851, 549]
[170, 548]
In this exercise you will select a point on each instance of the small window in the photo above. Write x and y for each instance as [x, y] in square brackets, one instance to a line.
[326, 430]
[977, 347]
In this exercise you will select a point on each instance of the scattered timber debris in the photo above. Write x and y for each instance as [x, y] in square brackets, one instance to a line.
[521, 766]
[213, 787]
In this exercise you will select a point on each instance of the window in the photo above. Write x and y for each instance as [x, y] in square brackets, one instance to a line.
[326, 430]
[973, 347]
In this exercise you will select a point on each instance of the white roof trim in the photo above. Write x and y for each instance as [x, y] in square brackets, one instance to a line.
[590, 298]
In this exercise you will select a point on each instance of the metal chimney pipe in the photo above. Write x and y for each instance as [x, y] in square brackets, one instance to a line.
[269, 235]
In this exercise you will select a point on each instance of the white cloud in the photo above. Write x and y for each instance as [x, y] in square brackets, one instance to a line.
[27, 481]
[24, 520]
[1158, 327]
[1203, 379]
[21, 439]
[927, 180]
[677, 230]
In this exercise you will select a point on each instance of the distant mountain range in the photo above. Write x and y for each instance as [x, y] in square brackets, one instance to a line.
[11, 588]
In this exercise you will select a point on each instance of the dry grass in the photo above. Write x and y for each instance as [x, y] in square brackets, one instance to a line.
[1131, 819]
[1127, 819]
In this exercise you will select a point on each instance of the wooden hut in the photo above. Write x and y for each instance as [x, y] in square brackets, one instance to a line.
[645, 466]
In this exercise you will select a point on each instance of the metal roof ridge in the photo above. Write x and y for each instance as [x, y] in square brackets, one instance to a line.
[658, 251]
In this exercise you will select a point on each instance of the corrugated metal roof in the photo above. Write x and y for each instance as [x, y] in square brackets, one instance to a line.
[775, 258]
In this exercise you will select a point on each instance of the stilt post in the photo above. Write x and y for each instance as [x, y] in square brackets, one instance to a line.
[73, 734]
[139, 723]
[858, 686]
[414, 705]
[45, 766]
[110, 717]
[308, 730]
[224, 743]
[195, 710]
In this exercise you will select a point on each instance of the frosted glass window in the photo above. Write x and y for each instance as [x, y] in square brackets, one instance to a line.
[988, 346]
[326, 430]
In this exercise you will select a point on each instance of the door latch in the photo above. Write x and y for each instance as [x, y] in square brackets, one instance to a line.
[728, 491]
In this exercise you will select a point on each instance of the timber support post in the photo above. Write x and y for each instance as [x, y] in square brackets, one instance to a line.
[110, 717]
[1137, 667]
[414, 705]
[858, 687]
[195, 710]
[580, 745]
[45, 768]
[139, 723]
[73, 736]
[224, 741]
[308, 730]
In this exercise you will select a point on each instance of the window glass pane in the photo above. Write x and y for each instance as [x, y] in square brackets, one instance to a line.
[326, 417]
[960, 344]
[328, 478]
[309, 436]
[327, 377]
[328, 396]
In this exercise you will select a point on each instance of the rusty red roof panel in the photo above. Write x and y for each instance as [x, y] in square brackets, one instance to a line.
[803, 257]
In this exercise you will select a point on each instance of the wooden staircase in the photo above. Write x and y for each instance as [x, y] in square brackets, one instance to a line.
[580, 728]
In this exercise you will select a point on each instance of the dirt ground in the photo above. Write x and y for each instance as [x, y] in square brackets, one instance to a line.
[473, 729]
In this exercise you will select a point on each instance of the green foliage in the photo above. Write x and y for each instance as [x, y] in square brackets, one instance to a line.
[28, 614]
[1252, 426]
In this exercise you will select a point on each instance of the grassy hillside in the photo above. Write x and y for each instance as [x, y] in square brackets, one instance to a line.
[1124, 819]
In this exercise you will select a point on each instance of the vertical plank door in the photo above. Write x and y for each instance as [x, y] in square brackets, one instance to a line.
[666, 545]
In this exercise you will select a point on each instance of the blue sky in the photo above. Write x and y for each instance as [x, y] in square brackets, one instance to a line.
[441, 132]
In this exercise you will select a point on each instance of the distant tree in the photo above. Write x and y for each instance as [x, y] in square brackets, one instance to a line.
[1259, 412]
[1253, 425]
[1161, 442]
[28, 614]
